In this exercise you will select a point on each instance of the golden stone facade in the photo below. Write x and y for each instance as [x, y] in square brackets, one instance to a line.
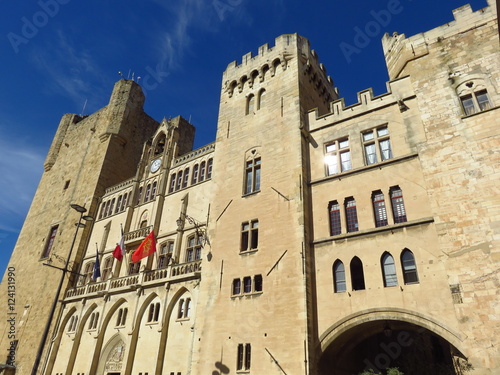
[310, 238]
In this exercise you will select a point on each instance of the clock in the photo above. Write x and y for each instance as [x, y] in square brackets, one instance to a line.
[155, 165]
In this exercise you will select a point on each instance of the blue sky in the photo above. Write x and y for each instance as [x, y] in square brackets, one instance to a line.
[59, 56]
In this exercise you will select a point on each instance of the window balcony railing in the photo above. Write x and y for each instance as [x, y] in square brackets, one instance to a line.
[137, 234]
[173, 273]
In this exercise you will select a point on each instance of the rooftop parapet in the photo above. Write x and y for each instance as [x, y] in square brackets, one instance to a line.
[269, 59]
[398, 91]
[399, 50]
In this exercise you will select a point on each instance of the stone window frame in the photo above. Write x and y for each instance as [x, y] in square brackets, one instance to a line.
[334, 160]
[249, 239]
[471, 89]
[378, 137]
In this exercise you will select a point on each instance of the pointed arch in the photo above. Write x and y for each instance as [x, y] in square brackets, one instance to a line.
[102, 333]
[339, 281]
[159, 143]
[167, 312]
[357, 274]
[388, 270]
[409, 267]
[135, 332]
[55, 345]
[115, 342]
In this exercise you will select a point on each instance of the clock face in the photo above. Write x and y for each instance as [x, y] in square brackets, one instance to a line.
[155, 165]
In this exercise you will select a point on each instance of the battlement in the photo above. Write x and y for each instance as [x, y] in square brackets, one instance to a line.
[264, 65]
[397, 92]
[399, 50]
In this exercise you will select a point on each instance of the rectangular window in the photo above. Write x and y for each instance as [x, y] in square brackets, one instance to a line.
[236, 287]
[247, 284]
[252, 176]
[337, 157]
[153, 191]
[194, 246]
[257, 283]
[249, 235]
[166, 251]
[335, 224]
[475, 102]
[351, 215]
[202, 171]
[209, 168]
[50, 241]
[243, 358]
[186, 178]
[195, 174]
[377, 145]
[179, 180]
[379, 209]
[398, 206]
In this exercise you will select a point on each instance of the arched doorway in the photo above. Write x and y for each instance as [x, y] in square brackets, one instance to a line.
[112, 357]
[377, 345]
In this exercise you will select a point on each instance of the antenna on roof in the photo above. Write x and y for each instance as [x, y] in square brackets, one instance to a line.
[190, 119]
[121, 74]
[83, 109]
[128, 76]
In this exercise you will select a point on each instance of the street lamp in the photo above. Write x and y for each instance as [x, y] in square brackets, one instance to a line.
[64, 270]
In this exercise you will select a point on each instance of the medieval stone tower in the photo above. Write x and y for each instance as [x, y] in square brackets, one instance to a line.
[310, 238]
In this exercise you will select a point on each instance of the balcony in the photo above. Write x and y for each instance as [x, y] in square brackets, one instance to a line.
[138, 234]
[147, 279]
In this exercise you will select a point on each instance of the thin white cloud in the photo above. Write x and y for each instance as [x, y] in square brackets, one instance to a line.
[69, 69]
[21, 166]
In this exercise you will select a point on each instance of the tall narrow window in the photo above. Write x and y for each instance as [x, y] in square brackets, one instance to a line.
[148, 192]
[243, 358]
[179, 180]
[180, 311]
[186, 178]
[103, 210]
[249, 235]
[257, 283]
[107, 268]
[351, 215]
[124, 202]
[389, 270]
[121, 318]
[111, 207]
[195, 174]
[339, 277]
[335, 224]
[50, 241]
[337, 157]
[236, 287]
[153, 190]
[139, 195]
[262, 99]
[154, 312]
[172, 183]
[187, 308]
[250, 104]
[377, 145]
[379, 209]
[88, 273]
[133, 268]
[357, 274]
[106, 212]
[247, 284]
[409, 267]
[165, 254]
[252, 175]
[398, 206]
[194, 246]
[209, 168]
[203, 167]
[118, 204]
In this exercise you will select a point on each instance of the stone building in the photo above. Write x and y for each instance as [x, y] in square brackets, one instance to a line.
[310, 238]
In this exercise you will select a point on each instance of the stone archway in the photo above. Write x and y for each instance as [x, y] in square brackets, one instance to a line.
[112, 357]
[381, 344]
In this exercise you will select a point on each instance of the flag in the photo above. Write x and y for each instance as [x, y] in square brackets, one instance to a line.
[119, 251]
[97, 268]
[146, 248]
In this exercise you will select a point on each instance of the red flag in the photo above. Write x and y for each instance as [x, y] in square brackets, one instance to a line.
[119, 251]
[146, 248]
